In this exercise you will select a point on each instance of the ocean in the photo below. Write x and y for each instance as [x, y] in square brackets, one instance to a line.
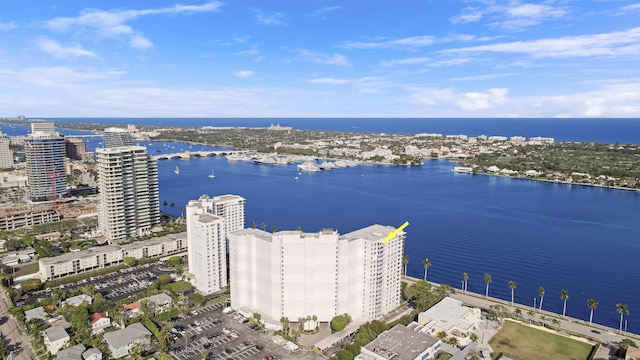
[582, 239]
[626, 131]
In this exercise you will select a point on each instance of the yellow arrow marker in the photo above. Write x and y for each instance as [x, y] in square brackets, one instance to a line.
[395, 232]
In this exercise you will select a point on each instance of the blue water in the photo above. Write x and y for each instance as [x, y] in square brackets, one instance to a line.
[626, 131]
[557, 236]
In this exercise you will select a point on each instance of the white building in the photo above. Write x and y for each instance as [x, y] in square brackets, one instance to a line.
[6, 155]
[45, 153]
[55, 338]
[128, 182]
[451, 316]
[296, 274]
[117, 137]
[208, 222]
[401, 343]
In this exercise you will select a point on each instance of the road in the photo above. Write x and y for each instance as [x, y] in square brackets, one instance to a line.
[19, 343]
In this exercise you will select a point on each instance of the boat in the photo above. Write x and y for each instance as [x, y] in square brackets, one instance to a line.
[177, 170]
[211, 176]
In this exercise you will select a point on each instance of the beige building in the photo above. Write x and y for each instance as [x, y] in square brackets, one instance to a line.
[104, 256]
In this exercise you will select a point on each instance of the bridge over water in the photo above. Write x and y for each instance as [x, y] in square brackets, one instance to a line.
[189, 154]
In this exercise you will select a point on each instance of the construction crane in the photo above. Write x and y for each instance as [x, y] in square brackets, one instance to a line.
[52, 176]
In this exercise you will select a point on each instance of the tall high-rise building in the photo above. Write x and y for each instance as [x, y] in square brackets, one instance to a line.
[209, 220]
[296, 274]
[115, 137]
[128, 183]
[75, 148]
[45, 163]
[6, 155]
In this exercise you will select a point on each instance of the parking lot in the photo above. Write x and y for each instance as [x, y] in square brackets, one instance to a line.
[224, 336]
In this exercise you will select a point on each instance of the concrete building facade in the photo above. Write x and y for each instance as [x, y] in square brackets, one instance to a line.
[6, 155]
[128, 183]
[99, 257]
[45, 152]
[209, 220]
[117, 137]
[296, 274]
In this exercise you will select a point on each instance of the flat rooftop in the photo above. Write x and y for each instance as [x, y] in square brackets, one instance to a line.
[400, 343]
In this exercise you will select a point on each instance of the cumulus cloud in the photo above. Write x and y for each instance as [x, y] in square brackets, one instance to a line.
[58, 51]
[464, 101]
[324, 11]
[103, 23]
[613, 44]
[243, 73]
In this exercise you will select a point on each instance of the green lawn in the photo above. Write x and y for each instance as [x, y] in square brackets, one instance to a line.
[528, 343]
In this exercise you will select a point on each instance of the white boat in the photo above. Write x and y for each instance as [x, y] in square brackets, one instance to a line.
[211, 176]
[177, 170]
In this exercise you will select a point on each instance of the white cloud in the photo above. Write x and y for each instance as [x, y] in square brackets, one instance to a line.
[425, 61]
[631, 7]
[92, 22]
[243, 73]
[323, 12]
[7, 26]
[140, 42]
[410, 42]
[613, 44]
[511, 15]
[55, 77]
[482, 77]
[60, 52]
[463, 101]
[273, 19]
[327, 59]
[330, 81]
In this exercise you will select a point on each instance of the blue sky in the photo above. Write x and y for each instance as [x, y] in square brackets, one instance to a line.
[320, 58]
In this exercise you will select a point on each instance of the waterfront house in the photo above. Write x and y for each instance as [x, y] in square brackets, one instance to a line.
[451, 316]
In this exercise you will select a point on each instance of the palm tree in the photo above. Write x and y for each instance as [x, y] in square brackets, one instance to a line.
[441, 335]
[556, 322]
[253, 225]
[405, 261]
[165, 205]
[273, 229]
[487, 280]
[264, 226]
[465, 277]
[512, 286]
[530, 314]
[622, 309]
[426, 263]
[541, 294]
[591, 304]
[453, 341]
[564, 295]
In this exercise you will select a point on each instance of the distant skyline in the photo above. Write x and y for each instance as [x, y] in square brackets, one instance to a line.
[320, 58]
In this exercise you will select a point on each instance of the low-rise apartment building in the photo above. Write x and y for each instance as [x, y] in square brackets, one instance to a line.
[99, 257]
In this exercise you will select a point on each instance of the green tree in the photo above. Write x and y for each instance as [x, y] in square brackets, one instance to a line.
[257, 316]
[487, 281]
[4, 349]
[14, 244]
[473, 337]
[31, 285]
[175, 261]
[263, 226]
[556, 322]
[541, 294]
[564, 295]
[273, 229]
[253, 225]
[338, 323]
[622, 309]
[285, 324]
[180, 287]
[129, 260]
[426, 264]
[197, 299]
[453, 341]
[164, 338]
[441, 335]
[512, 286]
[592, 305]
[164, 279]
